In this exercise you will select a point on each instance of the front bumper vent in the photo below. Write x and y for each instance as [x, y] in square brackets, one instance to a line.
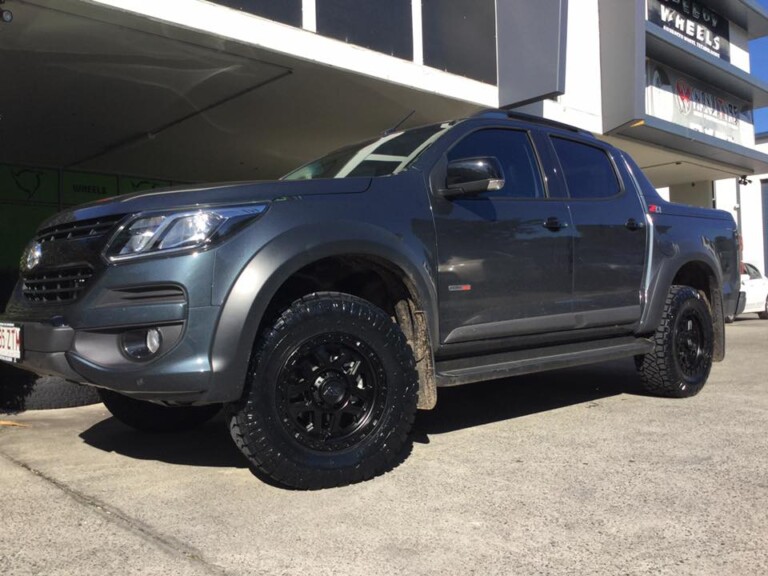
[63, 285]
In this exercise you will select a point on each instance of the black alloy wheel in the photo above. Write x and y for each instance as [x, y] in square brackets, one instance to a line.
[331, 392]
[681, 359]
[690, 343]
[330, 396]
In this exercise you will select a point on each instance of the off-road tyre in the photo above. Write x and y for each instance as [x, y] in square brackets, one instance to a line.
[330, 395]
[149, 417]
[681, 359]
[764, 314]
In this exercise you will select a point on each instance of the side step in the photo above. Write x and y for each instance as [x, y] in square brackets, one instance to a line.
[502, 365]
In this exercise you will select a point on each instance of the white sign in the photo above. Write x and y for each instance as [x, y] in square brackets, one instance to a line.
[676, 98]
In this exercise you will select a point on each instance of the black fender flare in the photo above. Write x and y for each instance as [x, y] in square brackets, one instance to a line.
[264, 274]
[676, 257]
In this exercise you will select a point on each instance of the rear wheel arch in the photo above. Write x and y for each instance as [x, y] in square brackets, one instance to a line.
[681, 358]
[702, 277]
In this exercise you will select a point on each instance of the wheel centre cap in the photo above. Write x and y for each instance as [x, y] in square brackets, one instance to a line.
[332, 391]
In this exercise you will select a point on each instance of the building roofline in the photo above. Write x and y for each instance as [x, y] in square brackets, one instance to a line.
[748, 14]
[666, 134]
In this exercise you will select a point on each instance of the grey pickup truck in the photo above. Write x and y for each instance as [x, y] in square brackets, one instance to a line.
[322, 310]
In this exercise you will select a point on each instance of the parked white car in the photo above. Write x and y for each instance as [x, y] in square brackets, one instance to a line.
[755, 286]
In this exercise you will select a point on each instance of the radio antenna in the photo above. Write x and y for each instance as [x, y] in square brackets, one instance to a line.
[389, 131]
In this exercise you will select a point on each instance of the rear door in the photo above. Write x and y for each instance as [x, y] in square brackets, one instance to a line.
[609, 235]
[504, 256]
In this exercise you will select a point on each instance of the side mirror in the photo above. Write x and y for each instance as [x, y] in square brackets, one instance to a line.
[472, 176]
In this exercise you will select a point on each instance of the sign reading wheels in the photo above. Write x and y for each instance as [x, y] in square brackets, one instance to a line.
[694, 23]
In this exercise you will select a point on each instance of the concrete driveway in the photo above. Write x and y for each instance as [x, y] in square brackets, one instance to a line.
[570, 473]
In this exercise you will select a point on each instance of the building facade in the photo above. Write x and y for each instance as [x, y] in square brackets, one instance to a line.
[112, 96]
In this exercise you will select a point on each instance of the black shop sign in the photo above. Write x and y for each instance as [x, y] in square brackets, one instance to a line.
[694, 23]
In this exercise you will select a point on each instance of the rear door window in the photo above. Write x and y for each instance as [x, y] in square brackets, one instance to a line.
[588, 171]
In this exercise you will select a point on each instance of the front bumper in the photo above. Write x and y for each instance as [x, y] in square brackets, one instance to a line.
[180, 373]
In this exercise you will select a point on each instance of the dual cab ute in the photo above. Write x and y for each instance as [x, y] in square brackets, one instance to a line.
[322, 309]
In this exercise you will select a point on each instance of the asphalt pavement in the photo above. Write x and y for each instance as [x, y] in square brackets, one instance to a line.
[568, 473]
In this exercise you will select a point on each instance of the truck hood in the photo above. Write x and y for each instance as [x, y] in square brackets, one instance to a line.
[186, 197]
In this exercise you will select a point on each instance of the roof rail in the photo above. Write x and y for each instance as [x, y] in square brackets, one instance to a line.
[512, 115]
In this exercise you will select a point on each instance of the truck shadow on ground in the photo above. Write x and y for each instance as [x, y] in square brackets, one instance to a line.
[457, 409]
[486, 402]
[207, 445]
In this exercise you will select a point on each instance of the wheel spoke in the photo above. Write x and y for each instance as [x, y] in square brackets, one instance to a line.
[364, 394]
[306, 370]
[299, 387]
[317, 421]
[341, 360]
[322, 356]
[298, 408]
[334, 426]
[353, 368]
[356, 411]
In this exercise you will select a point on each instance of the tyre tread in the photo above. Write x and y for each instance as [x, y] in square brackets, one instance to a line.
[657, 375]
[249, 431]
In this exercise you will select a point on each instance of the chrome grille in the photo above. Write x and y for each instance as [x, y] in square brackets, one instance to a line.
[63, 285]
[79, 229]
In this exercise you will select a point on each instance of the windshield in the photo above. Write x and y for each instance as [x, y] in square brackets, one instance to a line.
[387, 155]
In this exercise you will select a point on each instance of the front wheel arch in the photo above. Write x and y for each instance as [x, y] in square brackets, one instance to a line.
[306, 374]
[244, 314]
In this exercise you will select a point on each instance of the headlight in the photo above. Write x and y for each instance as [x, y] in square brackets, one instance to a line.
[167, 233]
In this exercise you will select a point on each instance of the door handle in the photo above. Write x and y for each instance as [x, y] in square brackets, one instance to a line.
[633, 225]
[553, 223]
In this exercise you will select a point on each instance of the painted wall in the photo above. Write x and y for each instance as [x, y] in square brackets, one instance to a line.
[581, 104]
[29, 195]
[746, 205]
[693, 194]
[739, 48]
[752, 224]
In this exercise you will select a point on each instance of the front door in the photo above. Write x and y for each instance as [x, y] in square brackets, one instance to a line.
[504, 256]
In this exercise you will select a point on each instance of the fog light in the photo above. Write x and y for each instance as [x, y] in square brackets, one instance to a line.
[7, 16]
[142, 344]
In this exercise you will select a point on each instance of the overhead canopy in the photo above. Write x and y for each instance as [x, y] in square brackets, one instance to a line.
[96, 89]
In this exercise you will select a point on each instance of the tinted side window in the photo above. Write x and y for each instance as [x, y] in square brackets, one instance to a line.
[587, 170]
[514, 152]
